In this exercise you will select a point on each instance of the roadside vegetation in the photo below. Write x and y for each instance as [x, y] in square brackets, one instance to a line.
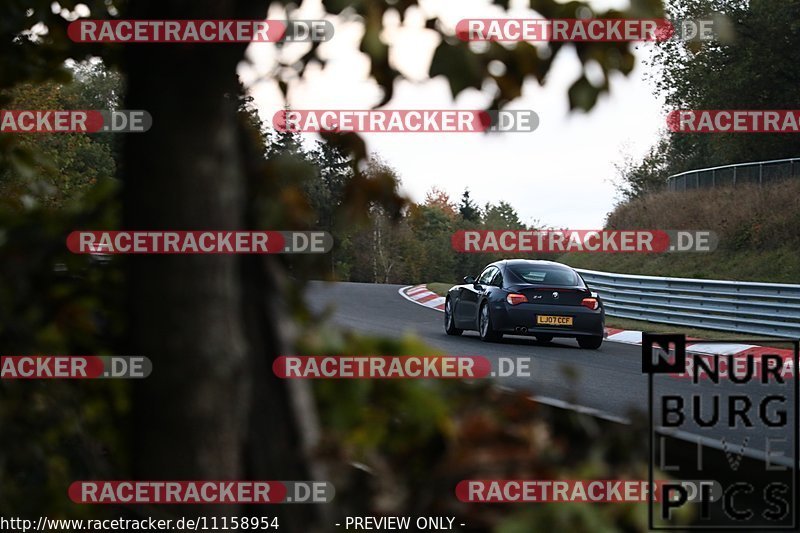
[732, 71]
[698, 333]
[757, 228]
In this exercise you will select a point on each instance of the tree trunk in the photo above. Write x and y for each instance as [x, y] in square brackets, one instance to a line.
[211, 408]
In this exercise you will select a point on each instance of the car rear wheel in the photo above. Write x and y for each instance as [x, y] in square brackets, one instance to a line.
[449, 322]
[590, 343]
[485, 328]
[544, 338]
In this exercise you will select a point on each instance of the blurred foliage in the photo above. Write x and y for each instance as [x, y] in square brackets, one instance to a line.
[466, 66]
[53, 302]
[401, 446]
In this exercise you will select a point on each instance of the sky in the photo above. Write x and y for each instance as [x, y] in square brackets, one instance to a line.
[561, 175]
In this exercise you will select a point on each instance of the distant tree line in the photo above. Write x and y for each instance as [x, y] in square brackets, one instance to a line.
[416, 247]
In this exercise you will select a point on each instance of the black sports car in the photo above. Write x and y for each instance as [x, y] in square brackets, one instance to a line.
[525, 297]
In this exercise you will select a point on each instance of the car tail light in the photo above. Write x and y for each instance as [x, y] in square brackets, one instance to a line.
[516, 299]
[591, 303]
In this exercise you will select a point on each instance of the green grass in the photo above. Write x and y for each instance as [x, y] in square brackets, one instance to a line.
[440, 288]
[652, 327]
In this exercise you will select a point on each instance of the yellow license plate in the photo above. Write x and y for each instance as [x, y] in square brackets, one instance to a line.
[550, 320]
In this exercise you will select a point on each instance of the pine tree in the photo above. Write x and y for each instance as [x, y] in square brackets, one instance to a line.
[468, 209]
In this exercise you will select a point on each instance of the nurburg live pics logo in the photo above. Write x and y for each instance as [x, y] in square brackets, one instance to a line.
[734, 422]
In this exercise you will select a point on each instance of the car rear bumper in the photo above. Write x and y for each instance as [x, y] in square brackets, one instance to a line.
[512, 319]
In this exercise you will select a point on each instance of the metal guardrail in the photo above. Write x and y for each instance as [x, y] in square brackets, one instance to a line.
[738, 306]
[761, 172]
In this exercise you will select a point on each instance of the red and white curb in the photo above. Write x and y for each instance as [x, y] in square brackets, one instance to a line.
[419, 294]
[710, 348]
[707, 350]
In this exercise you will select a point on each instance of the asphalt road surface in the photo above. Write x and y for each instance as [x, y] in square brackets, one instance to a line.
[607, 382]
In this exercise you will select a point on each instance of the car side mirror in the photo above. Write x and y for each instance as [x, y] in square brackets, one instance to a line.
[469, 280]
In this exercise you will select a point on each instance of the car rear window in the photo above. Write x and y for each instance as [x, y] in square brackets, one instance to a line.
[545, 275]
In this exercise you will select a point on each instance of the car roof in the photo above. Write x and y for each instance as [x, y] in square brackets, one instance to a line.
[508, 262]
